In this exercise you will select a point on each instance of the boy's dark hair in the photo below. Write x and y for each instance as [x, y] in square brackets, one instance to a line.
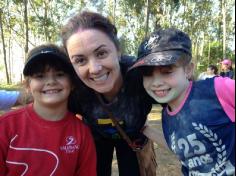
[89, 20]
[47, 56]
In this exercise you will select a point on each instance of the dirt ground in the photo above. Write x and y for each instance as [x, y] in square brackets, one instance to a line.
[168, 165]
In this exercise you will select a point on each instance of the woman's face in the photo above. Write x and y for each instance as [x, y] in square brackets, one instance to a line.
[95, 60]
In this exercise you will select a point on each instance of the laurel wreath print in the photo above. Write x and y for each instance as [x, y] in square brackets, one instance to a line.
[173, 147]
[217, 143]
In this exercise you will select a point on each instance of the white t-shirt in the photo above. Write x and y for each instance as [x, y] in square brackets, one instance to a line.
[204, 75]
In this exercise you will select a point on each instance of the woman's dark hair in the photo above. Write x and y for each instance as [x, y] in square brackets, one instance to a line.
[214, 68]
[89, 20]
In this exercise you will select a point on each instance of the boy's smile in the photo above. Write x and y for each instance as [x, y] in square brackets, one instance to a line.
[50, 88]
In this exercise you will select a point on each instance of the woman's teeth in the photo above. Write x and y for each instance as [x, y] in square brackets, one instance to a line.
[101, 78]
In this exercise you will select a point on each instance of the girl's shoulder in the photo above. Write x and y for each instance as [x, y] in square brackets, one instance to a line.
[225, 91]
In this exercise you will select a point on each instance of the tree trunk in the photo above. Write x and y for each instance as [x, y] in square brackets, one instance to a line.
[147, 19]
[224, 27]
[4, 47]
[26, 27]
[114, 12]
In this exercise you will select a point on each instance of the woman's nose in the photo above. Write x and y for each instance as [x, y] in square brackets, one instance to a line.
[94, 67]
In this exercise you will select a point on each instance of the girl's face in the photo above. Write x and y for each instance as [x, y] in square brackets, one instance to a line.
[50, 88]
[167, 84]
[96, 61]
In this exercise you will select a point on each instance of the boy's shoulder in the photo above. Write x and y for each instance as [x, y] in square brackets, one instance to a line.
[12, 115]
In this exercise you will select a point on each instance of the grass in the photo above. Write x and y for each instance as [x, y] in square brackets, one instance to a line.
[10, 86]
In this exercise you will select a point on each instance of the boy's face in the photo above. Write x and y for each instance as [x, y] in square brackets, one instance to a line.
[167, 84]
[50, 88]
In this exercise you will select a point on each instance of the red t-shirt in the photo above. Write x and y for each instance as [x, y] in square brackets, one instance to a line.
[30, 145]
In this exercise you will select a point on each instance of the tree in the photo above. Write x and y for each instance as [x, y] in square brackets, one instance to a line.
[3, 45]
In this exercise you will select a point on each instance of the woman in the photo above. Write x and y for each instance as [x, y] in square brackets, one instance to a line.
[93, 48]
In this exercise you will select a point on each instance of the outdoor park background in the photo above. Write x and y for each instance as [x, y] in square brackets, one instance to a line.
[25, 24]
[28, 23]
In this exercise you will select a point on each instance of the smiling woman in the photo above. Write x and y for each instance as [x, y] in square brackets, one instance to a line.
[92, 45]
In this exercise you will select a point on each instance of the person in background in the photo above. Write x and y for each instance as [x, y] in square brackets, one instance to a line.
[45, 138]
[8, 99]
[198, 117]
[227, 69]
[211, 72]
[91, 42]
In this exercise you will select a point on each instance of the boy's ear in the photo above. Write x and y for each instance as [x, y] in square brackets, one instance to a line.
[189, 70]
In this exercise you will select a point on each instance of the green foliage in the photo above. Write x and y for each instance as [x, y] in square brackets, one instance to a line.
[201, 19]
[215, 56]
[10, 87]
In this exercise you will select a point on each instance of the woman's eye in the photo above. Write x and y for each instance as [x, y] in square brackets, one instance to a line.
[79, 60]
[102, 54]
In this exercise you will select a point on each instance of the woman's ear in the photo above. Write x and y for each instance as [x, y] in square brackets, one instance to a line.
[189, 70]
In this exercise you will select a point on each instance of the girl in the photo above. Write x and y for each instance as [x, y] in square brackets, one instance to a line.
[44, 138]
[198, 118]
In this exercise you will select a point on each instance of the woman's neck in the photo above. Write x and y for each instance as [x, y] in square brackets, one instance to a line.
[111, 95]
[51, 113]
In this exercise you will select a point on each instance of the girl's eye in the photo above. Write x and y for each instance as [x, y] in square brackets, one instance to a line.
[167, 71]
[147, 71]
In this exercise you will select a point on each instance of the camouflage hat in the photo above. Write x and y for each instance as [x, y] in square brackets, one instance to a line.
[163, 47]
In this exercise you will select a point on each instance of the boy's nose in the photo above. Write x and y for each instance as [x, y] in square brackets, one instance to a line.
[51, 80]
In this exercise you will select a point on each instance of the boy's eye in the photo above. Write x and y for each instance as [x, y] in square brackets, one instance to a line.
[39, 75]
[60, 74]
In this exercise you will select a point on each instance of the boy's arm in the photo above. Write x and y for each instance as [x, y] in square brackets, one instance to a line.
[87, 160]
[3, 150]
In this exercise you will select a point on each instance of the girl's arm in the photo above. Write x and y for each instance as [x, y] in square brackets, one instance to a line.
[225, 91]
[155, 135]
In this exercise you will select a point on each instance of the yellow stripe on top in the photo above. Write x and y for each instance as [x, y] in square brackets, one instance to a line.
[107, 122]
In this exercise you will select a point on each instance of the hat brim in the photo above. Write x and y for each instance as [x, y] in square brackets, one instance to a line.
[39, 57]
[158, 59]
